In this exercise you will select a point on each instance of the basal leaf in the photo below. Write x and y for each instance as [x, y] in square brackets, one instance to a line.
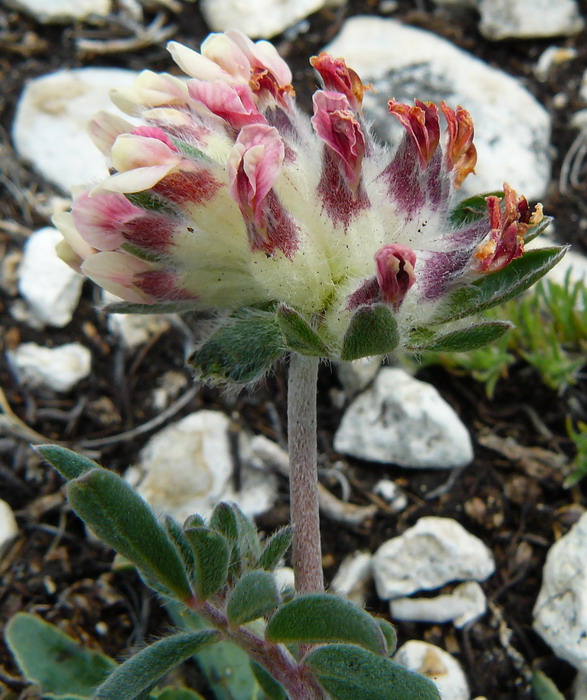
[271, 688]
[122, 519]
[254, 595]
[143, 670]
[348, 672]
[54, 661]
[275, 548]
[371, 331]
[211, 557]
[320, 617]
[68, 463]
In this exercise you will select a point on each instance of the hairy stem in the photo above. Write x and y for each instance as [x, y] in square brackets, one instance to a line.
[303, 479]
[296, 680]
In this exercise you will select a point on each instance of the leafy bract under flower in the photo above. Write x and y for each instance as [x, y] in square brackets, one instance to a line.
[226, 197]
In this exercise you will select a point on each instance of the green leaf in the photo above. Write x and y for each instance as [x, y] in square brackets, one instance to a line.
[497, 287]
[143, 670]
[53, 660]
[211, 556]
[350, 673]
[388, 631]
[226, 667]
[194, 520]
[181, 542]
[122, 519]
[275, 548]
[254, 595]
[321, 617]
[472, 209]
[298, 334]
[470, 338]
[269, 685]
[372, 331]
[223, 520]
[68, 463]
[543, 688]
[242, 350]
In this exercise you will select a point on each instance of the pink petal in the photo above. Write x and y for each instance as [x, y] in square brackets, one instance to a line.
[233, 103]
[461, 154]
[262, 55]
[100, 219]
[116, 272]
[227, 54]
[395, 272]
[136, 180]
[253, 166]
[105, 128]
[337, 126]
[422, 126]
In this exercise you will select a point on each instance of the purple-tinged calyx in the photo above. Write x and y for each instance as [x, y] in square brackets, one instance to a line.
[395, 272]
[508, 229]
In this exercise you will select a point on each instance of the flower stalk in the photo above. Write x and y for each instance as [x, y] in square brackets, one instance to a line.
[305, 516]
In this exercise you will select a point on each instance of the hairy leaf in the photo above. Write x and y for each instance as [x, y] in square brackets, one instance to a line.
[322, 617]
[470, 338]
[53, 660]
[122, 519]
[242, 350]
[371, 331]
[298, 334]
[68, 463]
[275, 547]
[348, 672]
[211, 556]
[143, 670]
[254, 595]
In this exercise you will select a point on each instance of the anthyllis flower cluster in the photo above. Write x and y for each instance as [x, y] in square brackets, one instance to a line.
[225, 196]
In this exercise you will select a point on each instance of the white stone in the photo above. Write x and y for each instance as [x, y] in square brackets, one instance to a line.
[133, 329]
[512, 130]
[50, 287]
[560, 613]
[437, 665]
[187, 468]
[353, 576]
[400, 420]
[390, 492]
[466, 603]
[355, 376]
[60, 11]
[262, 18]
[284, 578]
[529, 19]
[433, 552]
[59, 368]
[553, 56]
[50, 127]
[8, 526]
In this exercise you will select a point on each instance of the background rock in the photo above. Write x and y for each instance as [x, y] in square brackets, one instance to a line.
[52, 115]
[529, 19]
[400, 420]
[512, 130]
[59, 368]
[50, 287]
[426, 556]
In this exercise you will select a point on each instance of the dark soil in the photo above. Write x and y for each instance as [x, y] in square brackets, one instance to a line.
[518, 507]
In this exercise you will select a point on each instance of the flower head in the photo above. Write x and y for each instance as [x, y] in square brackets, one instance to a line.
[227, 197]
